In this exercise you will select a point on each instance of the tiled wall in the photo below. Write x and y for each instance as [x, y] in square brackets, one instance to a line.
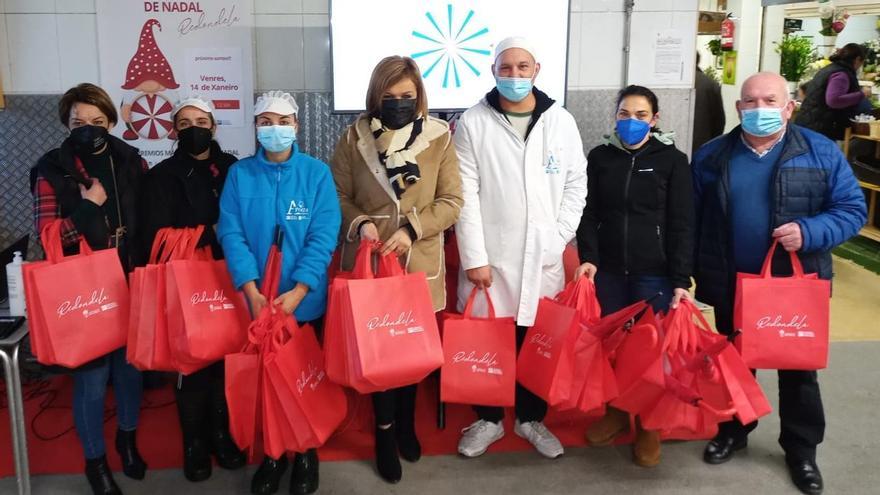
[47, 46]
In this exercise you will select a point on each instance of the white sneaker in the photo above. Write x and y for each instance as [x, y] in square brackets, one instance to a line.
[477, 437]
[540, 437]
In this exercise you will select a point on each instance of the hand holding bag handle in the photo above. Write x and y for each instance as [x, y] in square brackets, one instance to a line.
[796, 266]
[469, 306]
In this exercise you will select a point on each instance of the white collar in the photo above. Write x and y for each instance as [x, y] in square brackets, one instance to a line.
[765, 152]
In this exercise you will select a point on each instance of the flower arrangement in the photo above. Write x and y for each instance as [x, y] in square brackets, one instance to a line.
[833, 18]
[815, 67]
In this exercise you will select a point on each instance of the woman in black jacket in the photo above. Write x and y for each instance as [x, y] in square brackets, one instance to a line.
[635, 235]
[92, 182]
[184, 191]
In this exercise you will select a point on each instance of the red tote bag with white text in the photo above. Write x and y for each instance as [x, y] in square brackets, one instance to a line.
[784, 320]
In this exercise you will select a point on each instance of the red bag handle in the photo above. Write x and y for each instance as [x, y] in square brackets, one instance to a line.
[581, 295]
[389, 266]
[190, 241]
[796, 265]
[50, 237]
[363, 260]
[165, 244]
[469, 306]
[690, 396]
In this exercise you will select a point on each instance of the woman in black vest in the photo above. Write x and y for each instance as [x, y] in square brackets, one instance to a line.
[92, 182]
[833, 96]
[184, 191]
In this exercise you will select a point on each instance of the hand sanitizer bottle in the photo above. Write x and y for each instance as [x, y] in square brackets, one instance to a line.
[15, 282]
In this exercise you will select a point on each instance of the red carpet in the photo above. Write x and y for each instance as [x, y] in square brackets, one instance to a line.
[54, 447]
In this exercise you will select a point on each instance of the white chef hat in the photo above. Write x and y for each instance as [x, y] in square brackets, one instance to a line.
[516, 42]
[195, 101]
[279, 102]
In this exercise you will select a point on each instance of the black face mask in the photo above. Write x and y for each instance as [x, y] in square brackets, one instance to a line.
[194, 140]
[397, 113]
[88, 138]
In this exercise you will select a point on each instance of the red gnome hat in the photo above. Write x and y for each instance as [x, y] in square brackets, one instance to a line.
[148, 63]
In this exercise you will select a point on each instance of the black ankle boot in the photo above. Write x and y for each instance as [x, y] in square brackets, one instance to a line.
[387, 460]
[407, 443]
[268, 476]
[100, 477]
[304, 479]
[196, 460]
[228, 455]
[132, 465]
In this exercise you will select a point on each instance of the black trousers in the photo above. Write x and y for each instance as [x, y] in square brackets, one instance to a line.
[201, 403]
[528, 406]
[395, 405]
[801, 414]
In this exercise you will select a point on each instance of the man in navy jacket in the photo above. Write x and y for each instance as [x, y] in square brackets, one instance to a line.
[769, 180]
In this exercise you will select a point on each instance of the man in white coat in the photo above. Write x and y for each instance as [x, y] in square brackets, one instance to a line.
[524, 181]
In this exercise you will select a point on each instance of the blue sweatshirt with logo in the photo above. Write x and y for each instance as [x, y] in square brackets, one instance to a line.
[300, 196]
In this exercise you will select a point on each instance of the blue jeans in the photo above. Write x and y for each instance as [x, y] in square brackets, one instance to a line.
[617, 291]
[89, 389]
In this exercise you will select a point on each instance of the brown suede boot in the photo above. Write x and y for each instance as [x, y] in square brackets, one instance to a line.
[646, 449]
[603, 432]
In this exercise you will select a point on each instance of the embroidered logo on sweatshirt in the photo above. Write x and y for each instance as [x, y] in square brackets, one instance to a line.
[298, 211]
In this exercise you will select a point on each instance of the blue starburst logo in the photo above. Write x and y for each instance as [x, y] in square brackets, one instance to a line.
[455, 49]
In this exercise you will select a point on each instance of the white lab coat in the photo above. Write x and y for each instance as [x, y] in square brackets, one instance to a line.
[523, 201]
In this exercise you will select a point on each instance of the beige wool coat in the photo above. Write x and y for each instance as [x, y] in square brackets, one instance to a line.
[431, 205]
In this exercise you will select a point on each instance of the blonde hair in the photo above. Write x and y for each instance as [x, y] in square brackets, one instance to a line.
[388, 72]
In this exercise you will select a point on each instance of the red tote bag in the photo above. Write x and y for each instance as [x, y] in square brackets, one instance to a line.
[148, 343]
[784, 320]
[639, 368]
[207, 317]
[545, 361]
[391, 329]
[336, 356]
[319, 404]
[480, 364]
[77, 305]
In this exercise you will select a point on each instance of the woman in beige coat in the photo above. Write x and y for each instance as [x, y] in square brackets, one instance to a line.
[397, 177]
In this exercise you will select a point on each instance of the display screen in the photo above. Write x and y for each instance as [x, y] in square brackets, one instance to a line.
[453, 42]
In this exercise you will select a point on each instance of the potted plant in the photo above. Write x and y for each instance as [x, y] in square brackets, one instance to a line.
[796, 53]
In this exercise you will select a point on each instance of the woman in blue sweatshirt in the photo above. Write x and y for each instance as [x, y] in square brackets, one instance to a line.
[281, 187]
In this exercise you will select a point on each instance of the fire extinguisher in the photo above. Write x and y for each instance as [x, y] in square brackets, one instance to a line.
[728, 28]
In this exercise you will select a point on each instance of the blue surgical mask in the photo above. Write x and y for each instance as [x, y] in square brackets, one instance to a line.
[514, 89]
[632, 131]
[762, 122]
[276, 138]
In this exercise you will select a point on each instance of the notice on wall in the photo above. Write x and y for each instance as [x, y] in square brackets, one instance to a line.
[155, 53]
[669, 55]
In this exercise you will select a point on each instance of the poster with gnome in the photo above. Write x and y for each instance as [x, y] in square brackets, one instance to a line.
[155, 53]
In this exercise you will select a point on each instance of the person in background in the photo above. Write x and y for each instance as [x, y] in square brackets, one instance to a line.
[708, 109]
[524, 181]
[398, 182]
[184, 191]
[104, 212]
[280, 187]
[834, 96]
[635, 236]
[769, 180]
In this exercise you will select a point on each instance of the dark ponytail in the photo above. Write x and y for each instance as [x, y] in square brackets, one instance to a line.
[848, 53]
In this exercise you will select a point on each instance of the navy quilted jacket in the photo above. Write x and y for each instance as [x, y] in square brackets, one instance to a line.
[813, 185]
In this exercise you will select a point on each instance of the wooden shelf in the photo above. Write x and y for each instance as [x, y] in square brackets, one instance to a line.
[870, 232]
